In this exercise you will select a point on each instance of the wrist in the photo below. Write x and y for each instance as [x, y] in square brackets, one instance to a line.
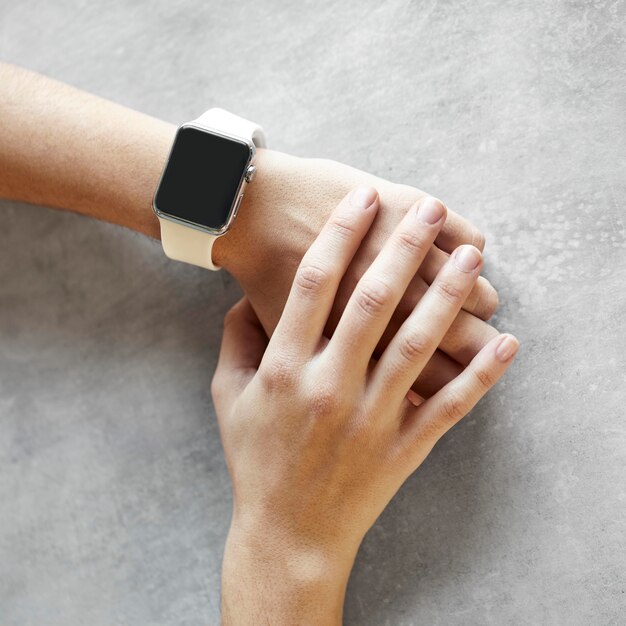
[249, 237]
[281, 581]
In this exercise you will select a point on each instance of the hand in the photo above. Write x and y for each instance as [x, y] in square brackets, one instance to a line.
[286, 207]
[78, 168]
[317, 436]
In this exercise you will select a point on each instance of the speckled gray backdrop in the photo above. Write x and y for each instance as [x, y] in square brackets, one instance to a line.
[114, 497]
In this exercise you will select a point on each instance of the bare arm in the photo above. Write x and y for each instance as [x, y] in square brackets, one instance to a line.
[64, 148]
[69, 149]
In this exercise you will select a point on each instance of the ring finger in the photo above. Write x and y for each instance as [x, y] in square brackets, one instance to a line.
[418, 338]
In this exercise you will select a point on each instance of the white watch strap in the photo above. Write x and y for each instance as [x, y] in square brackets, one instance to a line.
[187, 244]
[231, 124]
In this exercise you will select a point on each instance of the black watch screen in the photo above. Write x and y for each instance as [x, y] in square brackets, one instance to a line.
[201, 178]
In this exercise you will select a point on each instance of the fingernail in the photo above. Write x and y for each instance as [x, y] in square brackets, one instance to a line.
[507, 348]
[414, 398]
[430, 211]
[467, 258]
[363, 197]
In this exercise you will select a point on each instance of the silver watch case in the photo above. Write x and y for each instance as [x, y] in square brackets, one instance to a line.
[247, 176]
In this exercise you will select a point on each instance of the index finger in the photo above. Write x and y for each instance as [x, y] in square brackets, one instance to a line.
[317, 279]
[458, 231]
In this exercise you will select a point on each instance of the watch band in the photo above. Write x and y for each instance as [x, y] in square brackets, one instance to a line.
[225, 122]
[187, 244]
[190, 245]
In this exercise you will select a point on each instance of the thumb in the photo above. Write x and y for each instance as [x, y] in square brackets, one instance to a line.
[243, 344]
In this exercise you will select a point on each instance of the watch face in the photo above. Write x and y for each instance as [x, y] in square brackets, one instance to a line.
[202, 177]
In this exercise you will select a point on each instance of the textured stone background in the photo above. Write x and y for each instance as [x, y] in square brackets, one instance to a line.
[114, 498]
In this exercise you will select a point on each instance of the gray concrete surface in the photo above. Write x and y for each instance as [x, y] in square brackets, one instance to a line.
[114, 498]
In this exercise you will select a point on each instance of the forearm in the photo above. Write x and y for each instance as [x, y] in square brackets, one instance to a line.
[64, 148]
[265, 581]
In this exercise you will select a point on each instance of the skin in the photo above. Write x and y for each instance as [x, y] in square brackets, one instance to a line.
[67, 149]
[318, 437]
[344, 429]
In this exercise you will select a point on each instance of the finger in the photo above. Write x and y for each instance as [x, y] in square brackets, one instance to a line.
[418, 338]
[383, 284]
[422, 427]
[414, 398]
[316, 281]
[458, 231]
[243, 344]
[466, 337]
[483, 299]
[437, 373]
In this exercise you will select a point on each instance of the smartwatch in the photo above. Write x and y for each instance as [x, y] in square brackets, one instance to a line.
[203, 182]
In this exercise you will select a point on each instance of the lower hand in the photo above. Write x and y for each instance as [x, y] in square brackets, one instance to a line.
[317, 436]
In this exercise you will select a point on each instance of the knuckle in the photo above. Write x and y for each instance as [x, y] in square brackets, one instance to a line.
[372, 297]
[278, 374]
[341, 227]
[311, 278]
[325, 400]
[414, 347]
[492, 301]
[478, 239]
[483, 299]
[484, 378]
[411, 242]
[448, 291]
[452, 409]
